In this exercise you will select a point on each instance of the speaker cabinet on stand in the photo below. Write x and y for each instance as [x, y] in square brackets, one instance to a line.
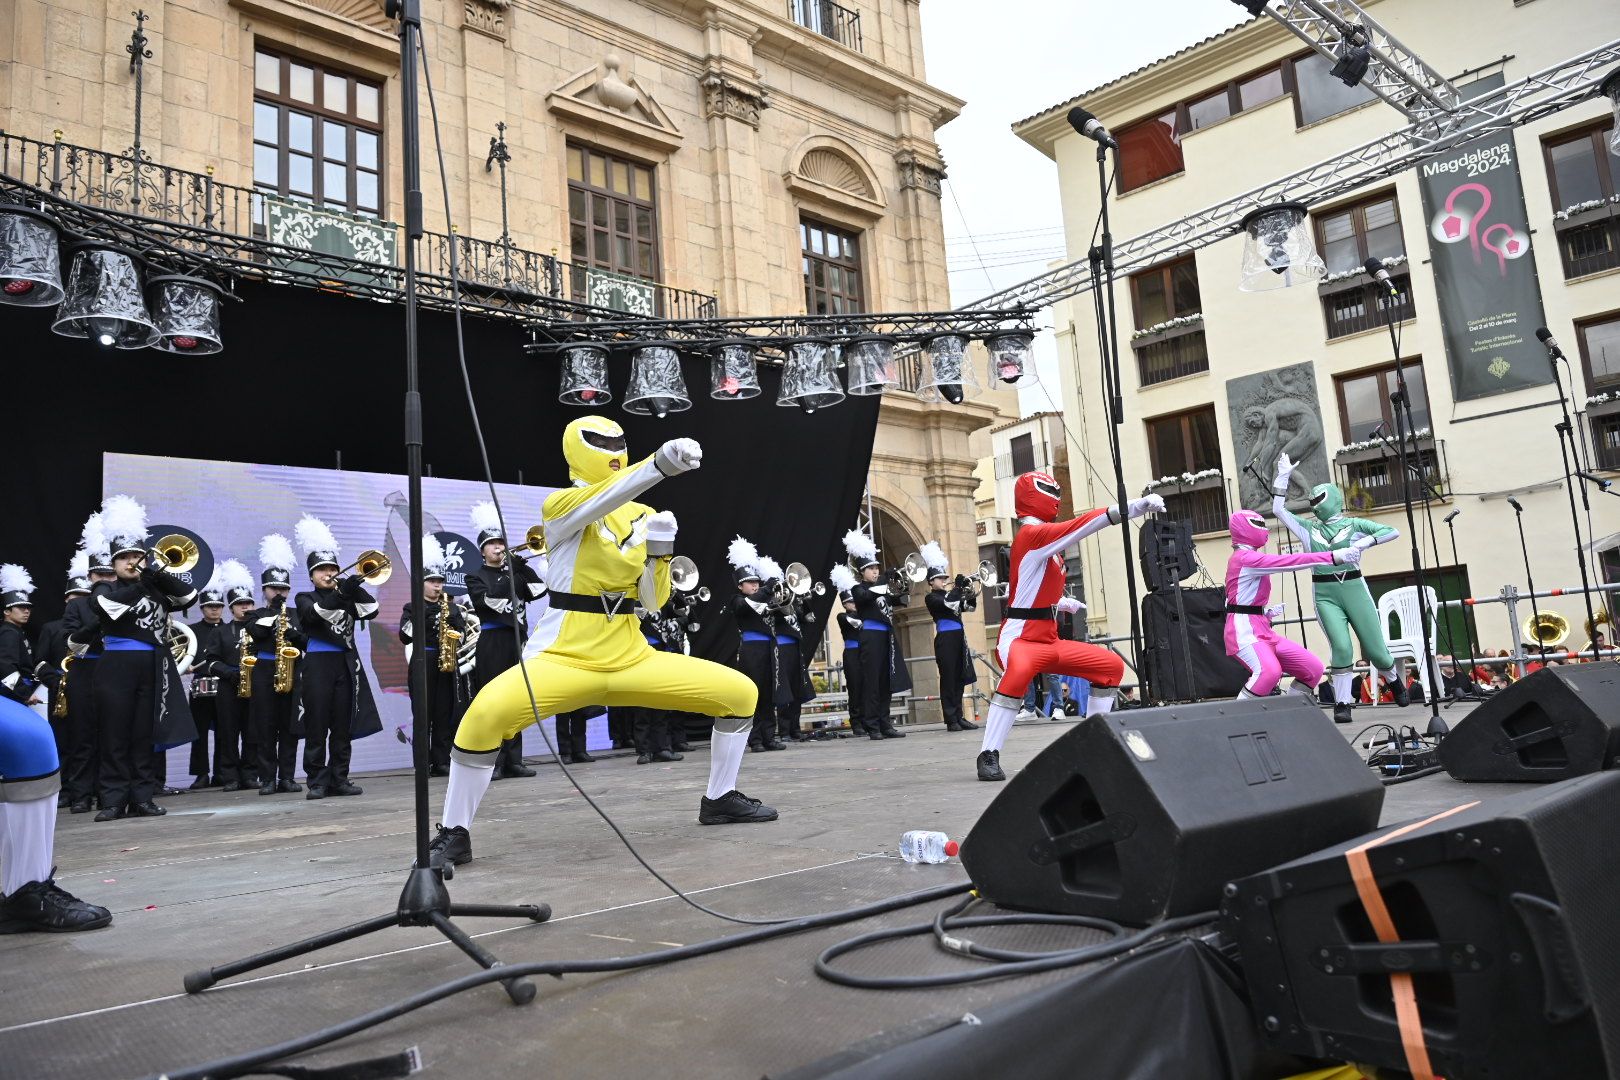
[1553, 724]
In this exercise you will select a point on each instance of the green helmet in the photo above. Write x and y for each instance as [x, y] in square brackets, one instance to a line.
[1327, 501]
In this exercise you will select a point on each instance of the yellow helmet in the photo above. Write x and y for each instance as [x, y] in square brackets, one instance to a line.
[594, 447]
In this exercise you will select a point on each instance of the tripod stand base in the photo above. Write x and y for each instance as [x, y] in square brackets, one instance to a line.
[423, 902]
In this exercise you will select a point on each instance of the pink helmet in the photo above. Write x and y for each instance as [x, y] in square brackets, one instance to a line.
[1249, 529]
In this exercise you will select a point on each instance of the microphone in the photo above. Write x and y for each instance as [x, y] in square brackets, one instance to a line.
[1451, 515]
[1092, 128]
[1544, 336]
[1515, 504]
[1378, 272]
[1379, 431]
[1602, 484]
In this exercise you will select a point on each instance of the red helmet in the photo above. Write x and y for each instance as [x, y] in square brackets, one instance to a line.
[1036, 495]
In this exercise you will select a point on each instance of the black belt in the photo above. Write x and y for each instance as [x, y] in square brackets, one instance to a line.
[1031, 613]
[1245, 609]
[596, 604]
[1348, 575]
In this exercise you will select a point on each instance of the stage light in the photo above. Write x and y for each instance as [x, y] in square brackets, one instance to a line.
[1353, 58]
[186, 311]
[810, 376]
[871, 365]
[947, 376]
[103, 300]
[657, 387]
[1278, 250]
[584, 376]
[30, 259]
[734, 372]
[1010, 359]
[1610, 88]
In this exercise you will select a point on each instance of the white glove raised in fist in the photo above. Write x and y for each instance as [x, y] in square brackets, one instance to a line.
[679, 455]
[1147, 504]
[1350, 556]
[1285, 472]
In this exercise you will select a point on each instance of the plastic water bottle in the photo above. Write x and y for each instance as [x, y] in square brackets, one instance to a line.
[922, 846]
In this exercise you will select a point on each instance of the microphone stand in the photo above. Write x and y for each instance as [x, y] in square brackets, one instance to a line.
[1402, 402]
[1535, 608]
[1569, 449]
[1468, 623]
[1102, 274]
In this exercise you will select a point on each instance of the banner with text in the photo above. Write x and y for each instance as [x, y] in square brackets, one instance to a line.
[1479, 240]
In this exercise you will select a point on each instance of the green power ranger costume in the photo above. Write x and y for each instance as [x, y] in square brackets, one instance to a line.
[1340, 593]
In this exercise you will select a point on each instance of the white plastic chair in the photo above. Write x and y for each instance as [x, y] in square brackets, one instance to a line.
[1406, 642]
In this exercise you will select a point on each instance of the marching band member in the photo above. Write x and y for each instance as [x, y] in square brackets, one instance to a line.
[849, 625]
[335, 695]
[1249, 636]
[17, 680]
[571, 728]
[140, 702]
[52, 648]
[756, 642]
[30, 778]
[607, 552]
[435, 716]
[204, 686]
[272, 710]
[650, 728]
[792, 675]
[950, 641]
[883, 673]
[1029, 643]
[1340, 594]
[501, 617]
[220, 660]
[82, 767]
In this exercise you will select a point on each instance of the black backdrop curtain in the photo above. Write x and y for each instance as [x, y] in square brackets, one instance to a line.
[305, 375]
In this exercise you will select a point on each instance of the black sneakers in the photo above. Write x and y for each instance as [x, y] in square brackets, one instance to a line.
[43, 907]
[1403, 696]
[346, 788]
[733, 808]
[453, 846]
[1341, 714]
[990, 765]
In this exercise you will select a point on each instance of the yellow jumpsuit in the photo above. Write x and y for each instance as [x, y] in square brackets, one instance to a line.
[596, 535]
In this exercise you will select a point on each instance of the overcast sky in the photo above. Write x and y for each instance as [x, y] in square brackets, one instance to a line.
[1010, 59]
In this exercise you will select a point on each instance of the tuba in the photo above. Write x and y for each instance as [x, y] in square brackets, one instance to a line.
[1548, 629]
[449, 637]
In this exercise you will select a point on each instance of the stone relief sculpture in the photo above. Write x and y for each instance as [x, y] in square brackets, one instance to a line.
[1271, 413]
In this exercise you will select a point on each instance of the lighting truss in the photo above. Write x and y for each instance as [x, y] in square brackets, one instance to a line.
[1394, 72]
[1532, 98]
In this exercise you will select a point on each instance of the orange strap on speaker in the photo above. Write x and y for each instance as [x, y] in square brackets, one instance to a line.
[1400, 983]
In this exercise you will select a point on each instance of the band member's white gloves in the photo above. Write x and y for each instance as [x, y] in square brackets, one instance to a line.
[1147, 504]
[1350, 556]
[1285, 473]
[661, 529]
[1069, 605]
[678, 456]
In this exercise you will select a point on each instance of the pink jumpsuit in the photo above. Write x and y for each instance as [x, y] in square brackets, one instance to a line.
[1249, 636]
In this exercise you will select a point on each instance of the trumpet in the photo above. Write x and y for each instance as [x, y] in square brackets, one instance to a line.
[800, 582]
[372, 566]
[534, 540]
[683, 577]
[175, 553]
[914, 569]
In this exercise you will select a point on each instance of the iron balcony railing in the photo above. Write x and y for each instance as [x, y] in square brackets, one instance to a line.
[1589, 244]
[1372, 480]
[1201, 504]
[1352, 310]
[1606, 441]
[1170, 355]
[214, 225]
[828, 19]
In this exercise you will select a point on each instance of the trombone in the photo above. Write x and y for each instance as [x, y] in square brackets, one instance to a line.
[534, 541]
[372, 566]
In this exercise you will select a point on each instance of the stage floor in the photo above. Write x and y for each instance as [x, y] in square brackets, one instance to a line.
[226, 875]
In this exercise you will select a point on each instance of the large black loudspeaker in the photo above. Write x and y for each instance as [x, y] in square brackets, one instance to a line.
[1146, 814]
[1554, 724]
[1504, 930]
[1167, 551]
[1203, 670]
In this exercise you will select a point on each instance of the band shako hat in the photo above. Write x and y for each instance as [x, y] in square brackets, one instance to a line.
[232, 581]
[124, 521]
[78, 575]
[486, 522]
[94, 542]
[16, 586]
[933, 557]
[744, 559]
[432, 558]
[320, 546]
[862, 549]
[275, 561]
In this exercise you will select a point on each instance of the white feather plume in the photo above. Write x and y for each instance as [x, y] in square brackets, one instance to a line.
[843, 578]
[432, 554]
[276, 553]
[769, 568]
[229, 575]
[94, 537]
[743, 555]
[124, 520]
[79, 565]
[859, 545]
[15, 578]
[485, 518]
[313, 535]
[933, 556]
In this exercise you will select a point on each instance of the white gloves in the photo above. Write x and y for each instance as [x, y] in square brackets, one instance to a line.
[1365, 542]
[679, 455]
[1285, 472]
[1069, 605]
[1147, 504]
[1350, 556]
[1276, 611]
[661, 529]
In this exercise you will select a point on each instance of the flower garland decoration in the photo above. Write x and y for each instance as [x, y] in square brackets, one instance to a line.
[1344, 275]
[1373, 444]
[1168, 324]
[1183, 479]
[1576, 209]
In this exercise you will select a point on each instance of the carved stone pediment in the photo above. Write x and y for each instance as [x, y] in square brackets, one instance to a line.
[605, 96]
[830, 171]
[365, 12]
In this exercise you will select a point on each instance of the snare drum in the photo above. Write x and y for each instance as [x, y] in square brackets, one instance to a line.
[204, 686]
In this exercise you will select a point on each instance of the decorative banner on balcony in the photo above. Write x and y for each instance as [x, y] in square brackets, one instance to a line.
[1273, 413]
[1490, 300]
[354, 239]
[620, 292]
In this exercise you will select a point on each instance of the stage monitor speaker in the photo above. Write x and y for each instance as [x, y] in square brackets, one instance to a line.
[1145, 814]
[1213, 674]
[1500, 932]
[1553, 724]
[1167, 552]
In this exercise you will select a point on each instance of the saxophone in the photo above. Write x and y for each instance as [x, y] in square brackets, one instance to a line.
[244, 663]
[285, 655]
[60, 708]
[449, 637]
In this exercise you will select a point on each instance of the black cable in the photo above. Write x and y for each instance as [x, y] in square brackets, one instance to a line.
[489, 480]
[242, 1064]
